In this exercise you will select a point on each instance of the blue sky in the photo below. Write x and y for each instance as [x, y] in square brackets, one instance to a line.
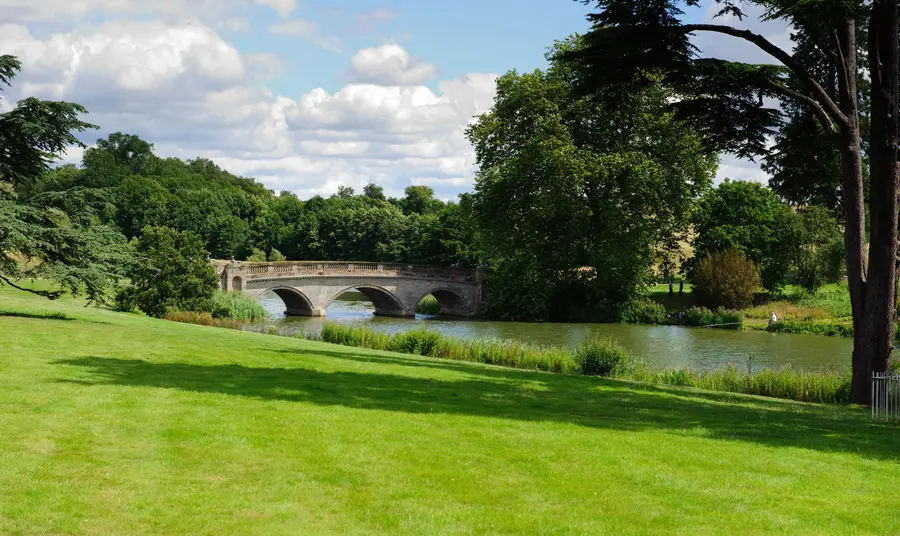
[304, 95]
[458, 37]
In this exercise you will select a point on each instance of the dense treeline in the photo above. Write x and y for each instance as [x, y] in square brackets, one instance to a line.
[239, 218]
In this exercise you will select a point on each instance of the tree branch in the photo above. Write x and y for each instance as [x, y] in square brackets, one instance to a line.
[820, 95]
[820, 112]
[49, 294]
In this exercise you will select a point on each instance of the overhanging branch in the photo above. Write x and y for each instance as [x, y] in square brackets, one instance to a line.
[820, 112]
[819, 94]
[49, 294]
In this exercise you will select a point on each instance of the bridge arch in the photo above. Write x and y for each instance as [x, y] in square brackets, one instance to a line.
[451, 301]
[385, 302]
[296, 303]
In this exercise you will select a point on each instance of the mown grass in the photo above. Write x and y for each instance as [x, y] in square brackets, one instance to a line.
[122, 424]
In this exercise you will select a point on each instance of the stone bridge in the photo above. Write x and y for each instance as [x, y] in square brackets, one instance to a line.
[308, 288]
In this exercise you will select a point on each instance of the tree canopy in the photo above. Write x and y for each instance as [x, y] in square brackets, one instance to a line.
[58, 235]
[573, 196]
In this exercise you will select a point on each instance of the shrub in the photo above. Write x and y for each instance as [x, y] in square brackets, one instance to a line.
[699, 316]
[644, 312]
[428, 306]
[726, 279]
[237, 306]
[602, 357]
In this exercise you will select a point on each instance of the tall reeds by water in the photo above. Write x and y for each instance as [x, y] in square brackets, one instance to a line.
[593, 357]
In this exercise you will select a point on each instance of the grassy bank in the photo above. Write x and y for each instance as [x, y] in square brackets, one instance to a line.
[593, 357]
[825, 312]
[121, 424]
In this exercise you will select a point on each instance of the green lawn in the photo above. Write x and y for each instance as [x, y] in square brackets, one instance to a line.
[119, 424]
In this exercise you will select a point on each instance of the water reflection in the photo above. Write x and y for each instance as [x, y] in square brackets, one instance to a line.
[661, 345]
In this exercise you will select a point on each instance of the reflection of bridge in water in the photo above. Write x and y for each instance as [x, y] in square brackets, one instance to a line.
[308, 288]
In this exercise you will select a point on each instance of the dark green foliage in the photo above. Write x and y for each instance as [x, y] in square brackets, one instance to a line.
[749, 217]
[55, 234]
[236, 216]
[170, 272]
[645, 312]
[602, 357]
[374, 191]
[720, 317]
[820, 255]
[572, 198]
[726, 279]
[428, 306]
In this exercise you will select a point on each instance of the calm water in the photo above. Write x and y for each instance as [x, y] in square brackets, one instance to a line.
[661, 345]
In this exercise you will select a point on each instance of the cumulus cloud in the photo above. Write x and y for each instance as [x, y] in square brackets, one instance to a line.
[49, 10]
[184, 88]
[390, 64]
[309, 31]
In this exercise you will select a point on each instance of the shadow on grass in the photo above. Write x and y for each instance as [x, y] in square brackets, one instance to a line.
[521, 395]
[33, 314]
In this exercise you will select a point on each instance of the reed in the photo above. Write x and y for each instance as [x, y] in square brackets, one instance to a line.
[429, 343]
[237, 306]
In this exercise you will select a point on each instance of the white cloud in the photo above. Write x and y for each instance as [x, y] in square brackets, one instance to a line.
[184, 88]
[390, 64]
[66, 10]
[309, 31]
[736, 169]
[368, 20]
[283, 7]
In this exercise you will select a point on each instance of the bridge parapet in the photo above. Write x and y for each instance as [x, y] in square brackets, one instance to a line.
[282, 269]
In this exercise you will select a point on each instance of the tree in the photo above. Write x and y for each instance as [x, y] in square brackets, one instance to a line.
[374, 191]
[633, 42]
[344, 192]
[749, 217]
[50, 234]
[419, 200]
[572, 197]
[172, 272]
[820, 255]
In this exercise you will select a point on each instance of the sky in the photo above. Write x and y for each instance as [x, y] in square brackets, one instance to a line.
[302, 95]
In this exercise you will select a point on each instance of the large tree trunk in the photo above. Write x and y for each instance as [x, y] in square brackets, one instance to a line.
[874, 342]
[853, 202]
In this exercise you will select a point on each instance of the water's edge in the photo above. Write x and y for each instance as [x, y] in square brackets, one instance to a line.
[674, 346]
